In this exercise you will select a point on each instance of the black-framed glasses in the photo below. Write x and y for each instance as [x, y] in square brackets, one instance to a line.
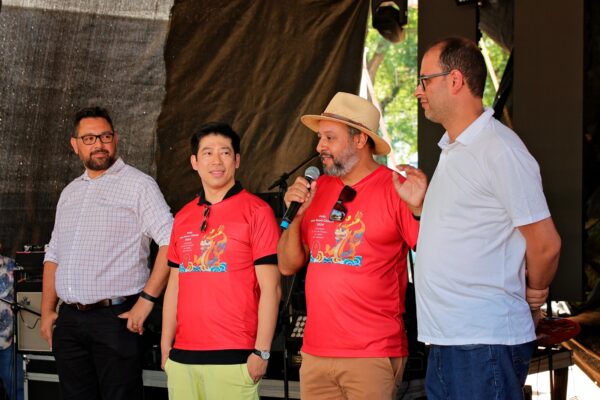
[339, 210]
[423, 78]
[105, 137]
[205, 218]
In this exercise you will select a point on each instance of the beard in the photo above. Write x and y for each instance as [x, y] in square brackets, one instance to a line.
[99, 165]
[342, 164]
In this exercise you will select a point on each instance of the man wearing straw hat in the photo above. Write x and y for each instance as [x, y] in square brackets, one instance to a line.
[354, 229]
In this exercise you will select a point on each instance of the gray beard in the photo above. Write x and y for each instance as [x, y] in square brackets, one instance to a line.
[347, 160]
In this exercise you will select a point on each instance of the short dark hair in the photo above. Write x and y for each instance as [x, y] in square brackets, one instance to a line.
[215, 128]
[463, 54]
[354, 131]
[91, 112]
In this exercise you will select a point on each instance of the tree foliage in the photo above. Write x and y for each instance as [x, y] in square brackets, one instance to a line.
[498, 56]
[393, 69]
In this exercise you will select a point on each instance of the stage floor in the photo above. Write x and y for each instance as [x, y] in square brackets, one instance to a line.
[579, 387]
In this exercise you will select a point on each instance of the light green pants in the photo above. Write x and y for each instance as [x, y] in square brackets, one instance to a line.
[209, 382]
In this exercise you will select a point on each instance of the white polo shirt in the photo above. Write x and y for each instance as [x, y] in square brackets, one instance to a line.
[470, 269]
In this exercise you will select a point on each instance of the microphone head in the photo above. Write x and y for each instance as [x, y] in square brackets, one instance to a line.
[312, 173]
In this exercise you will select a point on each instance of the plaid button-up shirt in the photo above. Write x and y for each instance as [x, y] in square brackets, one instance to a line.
[102, 233]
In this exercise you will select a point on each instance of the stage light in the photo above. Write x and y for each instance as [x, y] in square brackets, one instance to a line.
[465, 2]
[389, 18]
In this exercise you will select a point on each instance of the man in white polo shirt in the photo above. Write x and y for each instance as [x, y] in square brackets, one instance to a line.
[487, 248]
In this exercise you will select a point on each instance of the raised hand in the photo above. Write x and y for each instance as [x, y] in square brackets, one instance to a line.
[413, 189]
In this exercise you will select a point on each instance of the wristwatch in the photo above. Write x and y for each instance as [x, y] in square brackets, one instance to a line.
[264, 354]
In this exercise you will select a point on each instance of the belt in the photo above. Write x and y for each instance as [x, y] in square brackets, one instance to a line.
[102, 303]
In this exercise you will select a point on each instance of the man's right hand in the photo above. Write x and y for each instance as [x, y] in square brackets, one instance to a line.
[164, 355]
[47, 322]
[302, 192]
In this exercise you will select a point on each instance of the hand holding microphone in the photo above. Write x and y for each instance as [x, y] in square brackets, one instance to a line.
[298, 194]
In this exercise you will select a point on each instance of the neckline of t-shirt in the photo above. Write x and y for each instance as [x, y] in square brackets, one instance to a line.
[370, 176]
[236, 189]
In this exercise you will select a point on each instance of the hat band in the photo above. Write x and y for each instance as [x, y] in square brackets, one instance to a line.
[345, 119]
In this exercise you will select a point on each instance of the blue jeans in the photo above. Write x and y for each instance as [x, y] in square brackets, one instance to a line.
[6, 371]
[478, 372]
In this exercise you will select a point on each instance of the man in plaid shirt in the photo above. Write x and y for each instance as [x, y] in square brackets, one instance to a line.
[96, 264]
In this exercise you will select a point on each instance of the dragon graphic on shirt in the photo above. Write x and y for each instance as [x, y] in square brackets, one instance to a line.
[212, 247]
[348, 236]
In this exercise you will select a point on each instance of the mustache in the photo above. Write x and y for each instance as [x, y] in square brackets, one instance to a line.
[99, 151]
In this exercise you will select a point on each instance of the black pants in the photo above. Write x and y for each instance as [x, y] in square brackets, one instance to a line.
[96, 356]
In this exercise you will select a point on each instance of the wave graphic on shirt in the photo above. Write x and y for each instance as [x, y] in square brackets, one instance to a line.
[348, 236]
[212, 247]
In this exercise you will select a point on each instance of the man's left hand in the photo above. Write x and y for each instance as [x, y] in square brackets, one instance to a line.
[257, 367]
[536, 315]
[413, 189]
[137, 315]
[536, 298]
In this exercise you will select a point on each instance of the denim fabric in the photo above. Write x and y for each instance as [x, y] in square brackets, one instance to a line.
[6, 371]
[478, 372]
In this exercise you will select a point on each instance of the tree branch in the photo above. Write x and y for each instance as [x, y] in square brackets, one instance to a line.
[388, 99]
[373, 65]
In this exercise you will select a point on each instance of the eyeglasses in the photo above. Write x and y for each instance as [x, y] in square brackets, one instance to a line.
[205, 218]
[423, 78]
[105, 137]
[339, 211]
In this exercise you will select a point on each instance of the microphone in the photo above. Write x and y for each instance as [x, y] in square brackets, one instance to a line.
[311, 174]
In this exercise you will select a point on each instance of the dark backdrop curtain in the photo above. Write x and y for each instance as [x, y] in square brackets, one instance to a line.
[257, 65]
[56, 57]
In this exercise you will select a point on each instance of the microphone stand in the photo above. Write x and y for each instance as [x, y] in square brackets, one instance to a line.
[15, 308]
[281, 182]
[285, 314]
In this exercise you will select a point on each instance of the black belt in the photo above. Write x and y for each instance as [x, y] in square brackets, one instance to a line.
[102, 303]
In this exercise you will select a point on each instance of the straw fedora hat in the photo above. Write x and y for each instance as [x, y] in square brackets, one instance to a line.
[353, 111]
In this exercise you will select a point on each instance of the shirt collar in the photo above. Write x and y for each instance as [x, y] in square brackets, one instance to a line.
[470, 134]
[235, 189]
[112, 170]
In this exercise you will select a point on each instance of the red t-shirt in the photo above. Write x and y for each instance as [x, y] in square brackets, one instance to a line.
[356, 278]
[217, 304]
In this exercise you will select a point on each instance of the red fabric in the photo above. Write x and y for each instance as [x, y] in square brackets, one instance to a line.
[355, 302]
[552, 331]
[217, 305]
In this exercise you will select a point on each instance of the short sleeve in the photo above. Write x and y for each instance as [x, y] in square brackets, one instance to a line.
[516, 183]
[156, 218]
[264, 232]
[173, 257]
[51, 254]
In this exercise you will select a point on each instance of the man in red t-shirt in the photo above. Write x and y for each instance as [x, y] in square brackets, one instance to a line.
[354, 229]
[223, 294]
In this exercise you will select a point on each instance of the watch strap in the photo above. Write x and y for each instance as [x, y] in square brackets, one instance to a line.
[260, 354]
[148, 297]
